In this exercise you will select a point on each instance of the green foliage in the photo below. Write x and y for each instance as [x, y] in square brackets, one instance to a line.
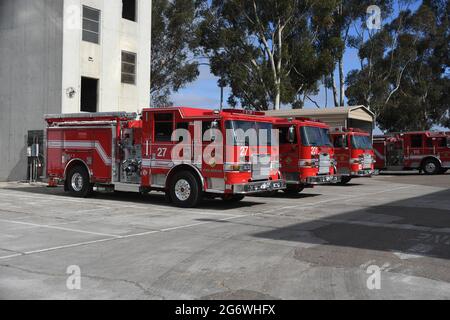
[404, 77]
[265, 51]
[173, 42]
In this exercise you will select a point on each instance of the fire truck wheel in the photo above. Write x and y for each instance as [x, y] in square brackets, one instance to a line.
[431, 166]
[345, 180]
[185, 190]
[233, 197]
[293, 189]
[78, 182]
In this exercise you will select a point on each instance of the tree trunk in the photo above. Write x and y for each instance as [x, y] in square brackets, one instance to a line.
[335, 95]
[341, 81]
[277, 97]
[278, 70]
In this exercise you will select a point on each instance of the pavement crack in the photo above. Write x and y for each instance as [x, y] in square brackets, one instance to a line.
[136, 284]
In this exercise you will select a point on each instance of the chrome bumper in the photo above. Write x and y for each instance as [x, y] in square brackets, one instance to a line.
[257, 187]
[322, 179]
[363, 173]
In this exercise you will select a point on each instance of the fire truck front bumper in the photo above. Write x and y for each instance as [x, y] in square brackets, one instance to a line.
[316, 180]
[363, 173]
[258, 187]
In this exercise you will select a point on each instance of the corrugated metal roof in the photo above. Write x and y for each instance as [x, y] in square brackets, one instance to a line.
[352, 112]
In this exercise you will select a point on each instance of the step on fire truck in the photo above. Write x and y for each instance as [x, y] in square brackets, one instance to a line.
[121, 152]
[306, 154]
[426, 151]
[354, 153]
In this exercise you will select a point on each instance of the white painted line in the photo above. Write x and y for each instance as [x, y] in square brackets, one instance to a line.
[93, 210]
[57, 228]
[117, 203]
[342, 199]
[114, 237]
[58, 247]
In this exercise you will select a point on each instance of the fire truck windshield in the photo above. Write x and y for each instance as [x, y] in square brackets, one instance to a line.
[243, 130]
[361, 142]
[315, 137]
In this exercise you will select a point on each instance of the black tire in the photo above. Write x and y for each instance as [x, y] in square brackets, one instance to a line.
[345, 180]
[185, 191]
[431, 167]
[293, 189]
[78, 183]
[233, 198]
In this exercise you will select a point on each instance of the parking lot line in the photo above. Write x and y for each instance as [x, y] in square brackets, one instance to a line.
[117, 203]
[117, 237]
[343, 198]
[56, 227]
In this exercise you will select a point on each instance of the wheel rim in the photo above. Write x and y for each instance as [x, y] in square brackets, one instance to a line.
[430, 167]
[182, 190]
[77, 182]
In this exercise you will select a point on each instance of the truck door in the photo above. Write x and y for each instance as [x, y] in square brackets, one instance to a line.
[161, 146]
[415, 150]
[212, 162]
[342, 153]
[289, 154]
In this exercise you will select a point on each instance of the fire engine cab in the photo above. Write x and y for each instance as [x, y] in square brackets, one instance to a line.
[354, 153]
[121, 152]
[306, 153]
[425, 151]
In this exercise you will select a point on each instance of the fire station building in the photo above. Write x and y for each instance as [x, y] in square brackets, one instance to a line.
[67, 56]
[343, 117]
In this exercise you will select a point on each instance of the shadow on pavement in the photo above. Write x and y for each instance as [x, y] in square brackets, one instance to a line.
[156, 198]
[414, 226]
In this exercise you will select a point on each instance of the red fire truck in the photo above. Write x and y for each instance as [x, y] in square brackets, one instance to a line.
[426, 151]
[306, 153]
[354, 153]
[121, 152]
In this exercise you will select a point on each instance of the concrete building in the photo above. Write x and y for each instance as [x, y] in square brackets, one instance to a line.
[67, 56]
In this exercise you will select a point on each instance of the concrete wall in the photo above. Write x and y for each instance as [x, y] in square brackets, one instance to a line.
[31, 38]
[103, 61]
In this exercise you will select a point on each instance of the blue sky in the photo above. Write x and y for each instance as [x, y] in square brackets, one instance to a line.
[205, 93]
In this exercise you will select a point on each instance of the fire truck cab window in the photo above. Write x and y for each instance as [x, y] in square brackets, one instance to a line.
[243, 130]
[416, 141]
[284, 136]
[183, 125]
[429, 143]
[361, 142]
[340, 141]
[315, 137]
[163, 127]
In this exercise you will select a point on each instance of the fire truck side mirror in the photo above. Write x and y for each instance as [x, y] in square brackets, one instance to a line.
[214, 126]
[291, 134]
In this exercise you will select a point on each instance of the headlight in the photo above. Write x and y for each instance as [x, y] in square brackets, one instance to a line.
[308, 163]
[274, 165]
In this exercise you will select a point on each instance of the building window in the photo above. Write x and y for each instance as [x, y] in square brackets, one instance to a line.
[89, 94]
[129, 9]
[128, 67]
[91, 25]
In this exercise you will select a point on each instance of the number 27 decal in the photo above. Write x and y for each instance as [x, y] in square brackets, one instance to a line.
[162, 152]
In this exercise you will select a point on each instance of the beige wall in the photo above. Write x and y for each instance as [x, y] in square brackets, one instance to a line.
[103, 61]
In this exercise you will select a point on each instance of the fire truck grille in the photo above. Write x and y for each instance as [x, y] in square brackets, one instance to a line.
[367, 162]
[324, 164]
[261, 167]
